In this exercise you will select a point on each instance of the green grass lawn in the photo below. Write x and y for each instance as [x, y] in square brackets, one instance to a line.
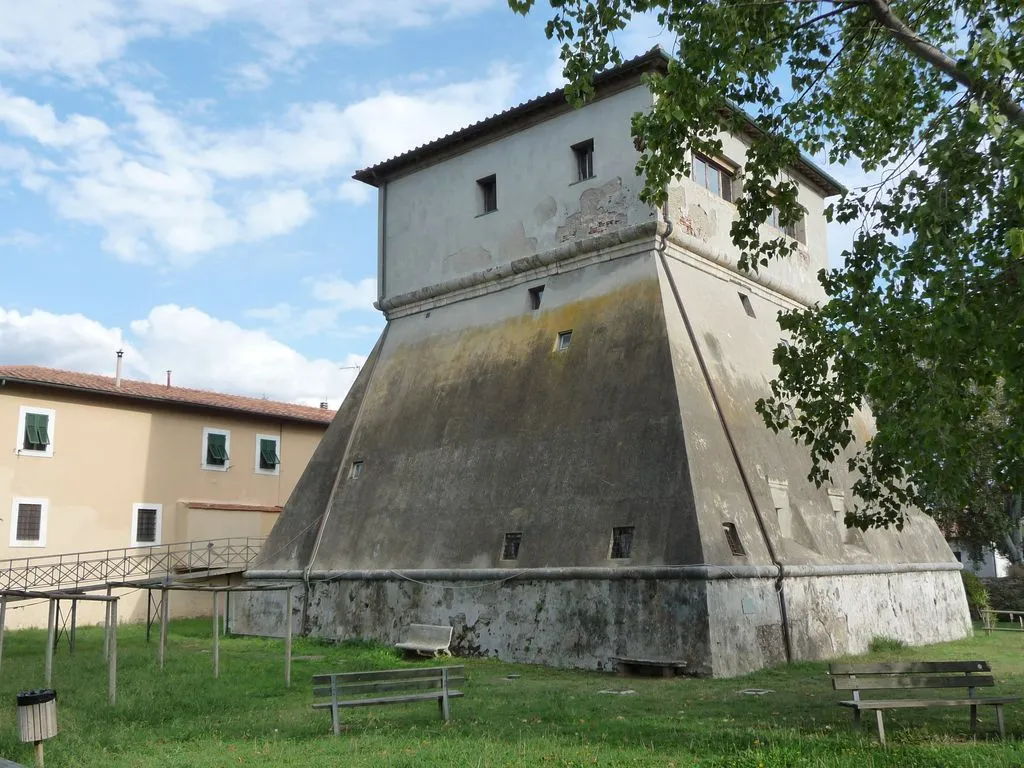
[182, 717]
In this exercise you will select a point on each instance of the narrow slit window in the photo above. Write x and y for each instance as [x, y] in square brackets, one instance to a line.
[357, 469]
[564, 340]
[584, 154]
[747, 306]
[268, 455]
[733, 537]
[536, 296]
[622, 542]
[487, 194]
[510, 546]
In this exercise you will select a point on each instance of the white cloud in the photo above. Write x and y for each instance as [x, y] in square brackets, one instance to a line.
[164, 187]
[354, 192]
[346, 295]
[202, 351]
[21, 239]
[78, 39]
[336, 296]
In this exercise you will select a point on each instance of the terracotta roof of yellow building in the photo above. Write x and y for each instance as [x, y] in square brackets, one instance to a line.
[144, 390]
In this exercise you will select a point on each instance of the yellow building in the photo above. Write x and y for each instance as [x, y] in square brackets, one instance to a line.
[105, 463]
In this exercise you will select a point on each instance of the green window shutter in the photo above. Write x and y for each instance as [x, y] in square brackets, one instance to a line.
[268, 454]
[37, 435]
[216, 449]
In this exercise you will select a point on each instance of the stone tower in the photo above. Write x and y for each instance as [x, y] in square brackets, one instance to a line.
[553, 445]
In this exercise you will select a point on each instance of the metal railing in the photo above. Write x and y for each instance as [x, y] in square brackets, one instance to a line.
[101, 566]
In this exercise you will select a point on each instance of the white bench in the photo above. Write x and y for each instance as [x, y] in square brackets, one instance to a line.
[427, 640]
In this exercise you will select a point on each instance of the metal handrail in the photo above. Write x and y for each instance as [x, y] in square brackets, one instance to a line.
[100, 566]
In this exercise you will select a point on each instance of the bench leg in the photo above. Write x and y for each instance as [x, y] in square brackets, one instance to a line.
[999, 719]
[856, 718]
[881, 727]
[444, 705]
[974, 719]
[335, 719]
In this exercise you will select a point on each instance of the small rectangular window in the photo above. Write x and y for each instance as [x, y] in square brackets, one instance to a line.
[35, 431]
[584, 154]
[747, 306]
[564, 340]
[733, 537]
[357, 469]
[145, 526]
[216, 449]
[487, 194]
[28, 522]
[268, 458]
[713, 176]
[536, 296]
[797, 230]
[510, 546]
[622, 542]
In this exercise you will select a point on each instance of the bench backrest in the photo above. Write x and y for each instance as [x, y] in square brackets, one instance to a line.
[346, 685]
[909, 675]
[428, 634]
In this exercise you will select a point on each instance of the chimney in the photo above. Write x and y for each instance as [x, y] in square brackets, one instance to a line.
[117, 376]
[168, 379]
[323, 404]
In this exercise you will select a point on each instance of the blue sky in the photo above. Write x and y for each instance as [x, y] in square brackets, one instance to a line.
[175, 174]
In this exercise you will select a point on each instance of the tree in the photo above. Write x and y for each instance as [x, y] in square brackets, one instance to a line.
[925, 317]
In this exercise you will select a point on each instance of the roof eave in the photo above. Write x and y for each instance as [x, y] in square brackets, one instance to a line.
[161, 400]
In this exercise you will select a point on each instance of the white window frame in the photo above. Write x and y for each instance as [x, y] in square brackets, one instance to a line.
[19, 445]
[256, 464]
[207, 431]
[43, 515]
[159, 524]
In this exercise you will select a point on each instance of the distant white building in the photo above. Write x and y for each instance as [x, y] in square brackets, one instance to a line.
[992, 563]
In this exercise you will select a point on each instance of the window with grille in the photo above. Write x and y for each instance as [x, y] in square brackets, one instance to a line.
[733, 537]
[713, 176]
[622, 542]
[29, 525]
[510, 547]
[145, 526]
[564, 340]
[584, 154]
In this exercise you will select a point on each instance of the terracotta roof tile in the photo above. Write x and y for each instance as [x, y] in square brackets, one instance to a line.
[144, 390]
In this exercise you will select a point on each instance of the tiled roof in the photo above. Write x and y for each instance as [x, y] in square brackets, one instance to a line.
[652, 60]
[144, 390]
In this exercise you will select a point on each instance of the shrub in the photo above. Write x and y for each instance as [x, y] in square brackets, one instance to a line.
[883, 643]
[977, 595]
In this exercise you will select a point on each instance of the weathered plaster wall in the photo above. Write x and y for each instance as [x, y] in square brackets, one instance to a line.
[474, 425]
[434, 233]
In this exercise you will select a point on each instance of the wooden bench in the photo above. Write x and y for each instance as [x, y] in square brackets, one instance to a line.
[427, 640]
[913, 676]
[389, 686]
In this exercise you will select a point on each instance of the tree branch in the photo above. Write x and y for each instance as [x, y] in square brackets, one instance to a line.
[882, 11]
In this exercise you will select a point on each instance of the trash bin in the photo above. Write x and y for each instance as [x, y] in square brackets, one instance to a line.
[37, 718]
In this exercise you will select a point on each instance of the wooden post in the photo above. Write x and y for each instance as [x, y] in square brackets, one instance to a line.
[112, 658]
[288, 638]
[106, 626]
[216, 637]
[3, 621]
[74, 623]
[50, 626]
[163, 626]
[39, 754]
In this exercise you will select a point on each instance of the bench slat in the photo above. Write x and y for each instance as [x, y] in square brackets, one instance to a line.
[917, 703]
[389, 700]
[908, 667]
[910, 681]
[395, 685]
[386, 674]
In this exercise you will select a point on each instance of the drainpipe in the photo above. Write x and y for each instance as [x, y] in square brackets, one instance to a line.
[747, 487]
